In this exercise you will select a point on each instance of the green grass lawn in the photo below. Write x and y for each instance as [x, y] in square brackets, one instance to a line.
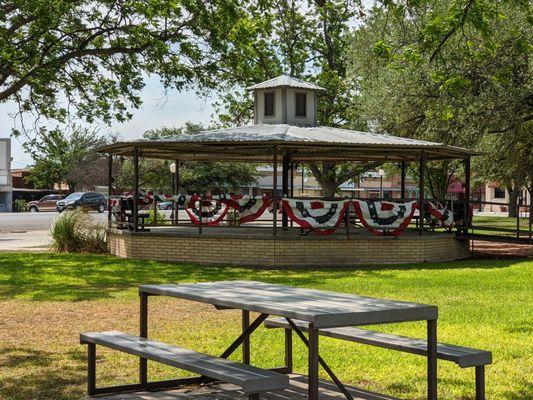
[47, 300]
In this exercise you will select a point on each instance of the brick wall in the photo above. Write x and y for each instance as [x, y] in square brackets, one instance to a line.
[286, 253]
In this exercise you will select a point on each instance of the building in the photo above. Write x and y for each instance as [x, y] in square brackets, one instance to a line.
[493, 192]
[370, 185]
[6, 187]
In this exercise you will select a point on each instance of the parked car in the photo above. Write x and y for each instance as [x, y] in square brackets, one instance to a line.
[165, 205]
[88, 200]
[46, 203]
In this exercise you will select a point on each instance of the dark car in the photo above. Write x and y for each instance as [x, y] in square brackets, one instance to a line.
[46, 203]
[87, 200]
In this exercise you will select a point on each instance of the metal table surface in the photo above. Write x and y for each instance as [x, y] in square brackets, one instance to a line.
[320, 308]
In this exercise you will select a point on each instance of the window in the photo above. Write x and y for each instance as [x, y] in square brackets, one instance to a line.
[499, 193]
[301, 104]
[269, 104]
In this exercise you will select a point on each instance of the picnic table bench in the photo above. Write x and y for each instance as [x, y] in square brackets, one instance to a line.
[464, 357]
[251, 379]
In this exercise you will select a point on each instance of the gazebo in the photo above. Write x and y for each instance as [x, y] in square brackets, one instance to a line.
[285, 132]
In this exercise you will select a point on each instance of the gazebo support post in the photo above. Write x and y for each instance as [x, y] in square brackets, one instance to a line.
[274, 192]
[135, 189]
[402, 181]
[291, 191]
[109, 187]
[285, 188]
[466, 219]
[177, 186]
[421, 194]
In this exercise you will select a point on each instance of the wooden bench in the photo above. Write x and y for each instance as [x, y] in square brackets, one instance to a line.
[252, 380]
[464, 357]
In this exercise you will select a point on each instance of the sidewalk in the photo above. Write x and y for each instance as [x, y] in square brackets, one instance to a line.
[20, 240]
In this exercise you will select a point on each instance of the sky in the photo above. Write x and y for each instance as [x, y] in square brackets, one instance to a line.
[159, 109]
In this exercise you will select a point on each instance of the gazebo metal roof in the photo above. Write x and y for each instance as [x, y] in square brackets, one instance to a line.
[285, 81]
[258, 143]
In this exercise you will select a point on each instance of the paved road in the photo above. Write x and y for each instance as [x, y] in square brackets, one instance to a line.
[33, 221]
[29, 231]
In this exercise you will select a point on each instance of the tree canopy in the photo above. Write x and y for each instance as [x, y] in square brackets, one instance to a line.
[64, 58]
[453, 72]
[61, 157]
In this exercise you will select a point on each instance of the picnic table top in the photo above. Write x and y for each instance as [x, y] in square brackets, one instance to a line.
[321, 308]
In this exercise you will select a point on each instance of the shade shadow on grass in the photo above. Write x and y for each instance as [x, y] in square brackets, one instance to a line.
[88, 277]
[41, 375]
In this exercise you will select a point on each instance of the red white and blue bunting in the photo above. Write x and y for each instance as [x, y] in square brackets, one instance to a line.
[249, 207]
[323, 217]
[384, 218]
[441, 214]
[212, 211]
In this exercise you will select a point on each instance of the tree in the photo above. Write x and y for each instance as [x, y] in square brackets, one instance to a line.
[66, 157]
[453, 72]
[195, 177]
[89, 59]
[304, 40]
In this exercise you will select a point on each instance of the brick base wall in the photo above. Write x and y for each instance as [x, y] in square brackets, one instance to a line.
[287, 252]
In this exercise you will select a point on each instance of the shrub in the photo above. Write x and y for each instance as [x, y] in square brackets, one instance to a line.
[76, 231]
[20, 205]
[160, 218]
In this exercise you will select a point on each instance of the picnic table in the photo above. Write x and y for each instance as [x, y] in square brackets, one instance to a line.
[320, 309]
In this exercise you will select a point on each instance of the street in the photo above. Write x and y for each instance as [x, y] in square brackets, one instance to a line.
[29, 231]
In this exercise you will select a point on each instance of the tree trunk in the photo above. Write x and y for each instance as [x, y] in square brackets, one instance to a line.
[329, 188]
[513, 199]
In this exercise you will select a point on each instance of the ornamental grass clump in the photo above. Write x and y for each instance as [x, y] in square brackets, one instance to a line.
[77, 232]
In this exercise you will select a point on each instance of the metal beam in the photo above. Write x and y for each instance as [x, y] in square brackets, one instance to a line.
[274, 192]
[421, 190]
[135, 189]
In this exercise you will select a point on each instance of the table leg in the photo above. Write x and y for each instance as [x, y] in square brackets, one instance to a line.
[432, 358]
[288, 350]
[246, 341]
[313, 363]
[143, 362]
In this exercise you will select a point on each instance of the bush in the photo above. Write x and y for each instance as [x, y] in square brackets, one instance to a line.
[20, 205]
[160, 218]
[76, 232]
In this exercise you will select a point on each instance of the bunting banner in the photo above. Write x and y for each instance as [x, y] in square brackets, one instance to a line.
[249, 207]
[212, 211]
[179, 199]
[322, 217]
[384, 218]
[441, 214]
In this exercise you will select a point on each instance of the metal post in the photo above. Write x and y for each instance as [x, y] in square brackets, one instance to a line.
[518, 219]
[109, 188]
[135, 189]
[288, 350]
[91, 369]
[432, 358]
[402, 181]
[200, 214]
[143, 332]
[480, 382]
[246, 341]
[274, 192]
[530, 215]
[177, 185]
[466, 219]
[285, 188]
[421, 190]
[292, 181]
[312, 390]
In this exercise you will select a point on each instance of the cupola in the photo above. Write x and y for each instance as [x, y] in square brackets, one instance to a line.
[285, 100]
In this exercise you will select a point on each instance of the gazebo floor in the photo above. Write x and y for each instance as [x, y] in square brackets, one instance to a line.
[223, 391]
